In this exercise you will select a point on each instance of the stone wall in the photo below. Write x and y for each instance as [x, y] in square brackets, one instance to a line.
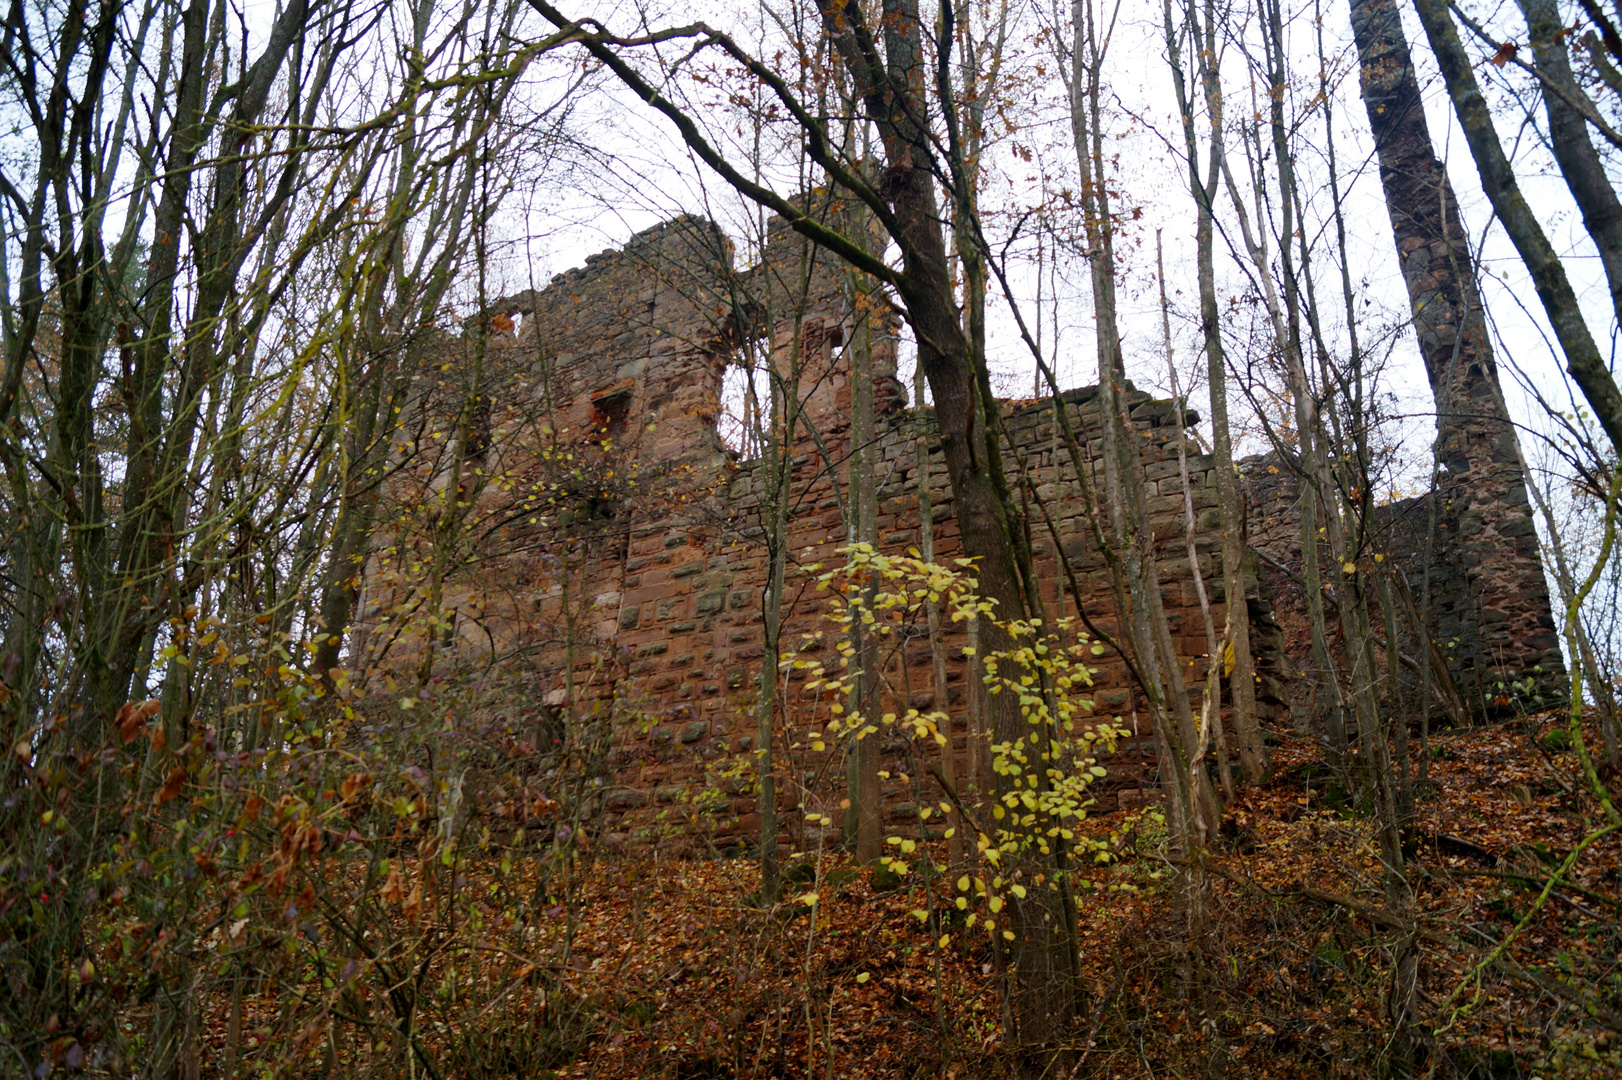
[1468, 559]
[1476, 545]
[623, 554]
[629, 537]
[681, 615]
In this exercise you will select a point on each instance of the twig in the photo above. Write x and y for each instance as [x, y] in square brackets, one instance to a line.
[951, 794]
[1098, 1018]
[1535, 883]
[1497, 956]
[1385, 917]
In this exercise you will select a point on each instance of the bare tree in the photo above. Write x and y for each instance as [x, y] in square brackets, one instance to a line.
[900, 92]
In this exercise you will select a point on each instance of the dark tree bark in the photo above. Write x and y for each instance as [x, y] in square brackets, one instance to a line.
[1487, 560]
[1568, 139]
[1584, 361]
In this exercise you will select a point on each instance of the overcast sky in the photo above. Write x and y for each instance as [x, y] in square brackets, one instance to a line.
[653, 177]
[641, 174]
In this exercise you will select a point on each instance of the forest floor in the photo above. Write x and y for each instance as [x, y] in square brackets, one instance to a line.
[678, 972]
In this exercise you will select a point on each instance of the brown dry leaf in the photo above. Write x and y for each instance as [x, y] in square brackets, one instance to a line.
[171, 786]
[393, 887]
[353, 785]
[125, 722]
[1506, 52]
[131, 718]
[413, 903]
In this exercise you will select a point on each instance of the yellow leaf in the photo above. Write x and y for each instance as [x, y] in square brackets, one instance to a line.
[808, 899]
[863, 977]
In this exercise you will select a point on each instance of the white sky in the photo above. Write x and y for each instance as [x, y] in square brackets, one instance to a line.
[644, 176]
[653, 177]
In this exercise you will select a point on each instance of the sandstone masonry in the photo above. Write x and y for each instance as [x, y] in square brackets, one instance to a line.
[627, 561]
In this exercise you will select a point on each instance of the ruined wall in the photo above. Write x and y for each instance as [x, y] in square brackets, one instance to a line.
[1489, 598]
[628, 537]
[624, 553]
[681, 615]
[1470, 562]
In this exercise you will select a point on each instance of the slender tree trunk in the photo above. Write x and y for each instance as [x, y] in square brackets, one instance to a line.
[777, 469]
[1252, 749]
[889, 67]
[1211, 710]
[1584, 362]
[937, 645]
[864, 791]
[1569, 140]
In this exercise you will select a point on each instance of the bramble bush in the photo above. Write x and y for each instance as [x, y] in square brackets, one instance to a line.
[339, 884]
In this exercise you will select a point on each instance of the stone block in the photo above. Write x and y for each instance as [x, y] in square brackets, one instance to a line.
[626, 799]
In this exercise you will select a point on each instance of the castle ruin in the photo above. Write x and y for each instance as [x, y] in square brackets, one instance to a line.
[625, 560]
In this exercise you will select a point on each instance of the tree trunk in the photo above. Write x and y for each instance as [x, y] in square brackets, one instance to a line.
[1485, 517]
[888, 68]
[1584, 361]
[865, 796]
[1252, 750]
[1569, 140]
